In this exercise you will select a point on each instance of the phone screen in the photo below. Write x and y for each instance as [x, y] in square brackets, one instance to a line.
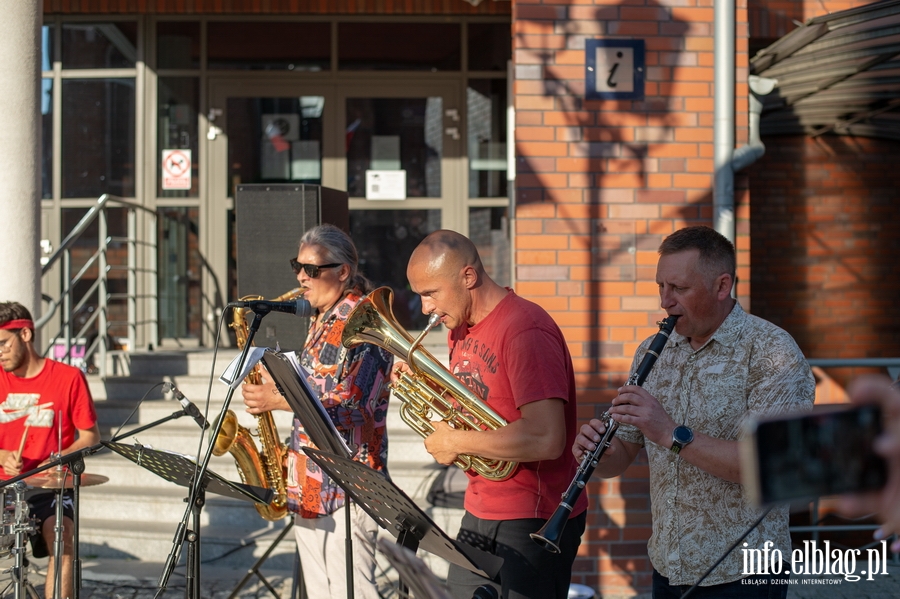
[819, 453]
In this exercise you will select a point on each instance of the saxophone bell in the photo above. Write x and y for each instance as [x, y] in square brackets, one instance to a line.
[258, 467]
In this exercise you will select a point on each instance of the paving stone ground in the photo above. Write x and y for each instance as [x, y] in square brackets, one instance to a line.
[128, 579]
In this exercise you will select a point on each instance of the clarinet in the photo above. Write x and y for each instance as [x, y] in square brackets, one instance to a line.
[550, 534]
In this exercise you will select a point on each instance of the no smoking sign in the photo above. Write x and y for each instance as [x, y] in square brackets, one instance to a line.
[176, 169]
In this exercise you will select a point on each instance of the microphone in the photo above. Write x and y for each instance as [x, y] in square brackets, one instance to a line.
[189, 408]
[485, 591]
[299, 306]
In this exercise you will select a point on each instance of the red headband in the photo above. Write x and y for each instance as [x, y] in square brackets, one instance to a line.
[19, 323]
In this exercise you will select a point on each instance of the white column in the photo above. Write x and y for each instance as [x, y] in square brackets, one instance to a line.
[20, 151]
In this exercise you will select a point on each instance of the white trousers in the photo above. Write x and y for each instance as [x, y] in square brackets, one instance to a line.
[321, 543]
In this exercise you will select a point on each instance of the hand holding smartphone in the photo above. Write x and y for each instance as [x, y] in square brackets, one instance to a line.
[828, 451]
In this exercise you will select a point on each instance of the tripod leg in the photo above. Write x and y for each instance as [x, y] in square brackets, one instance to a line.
[348, 545]
[58, 543]
[254, 570]
[298, 587]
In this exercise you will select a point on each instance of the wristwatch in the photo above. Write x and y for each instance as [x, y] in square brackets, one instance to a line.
[681, 436]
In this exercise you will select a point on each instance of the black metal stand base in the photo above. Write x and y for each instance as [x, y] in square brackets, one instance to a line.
[254, 569]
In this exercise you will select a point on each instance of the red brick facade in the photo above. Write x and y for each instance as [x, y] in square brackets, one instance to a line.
[825, 237]
[599, 184]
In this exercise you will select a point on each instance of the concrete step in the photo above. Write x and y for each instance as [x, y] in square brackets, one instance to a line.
[163, 504]
[224, 543]
[221, 544]
[132, 389]
[122, 472]
[169, 361]
[112, 413]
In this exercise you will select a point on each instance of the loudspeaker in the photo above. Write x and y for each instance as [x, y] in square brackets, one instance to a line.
[269, 222]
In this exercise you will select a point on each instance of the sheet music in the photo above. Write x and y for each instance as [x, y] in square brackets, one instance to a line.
[253, 357]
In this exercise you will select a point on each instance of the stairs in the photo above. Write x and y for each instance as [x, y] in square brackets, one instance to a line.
[135, 514]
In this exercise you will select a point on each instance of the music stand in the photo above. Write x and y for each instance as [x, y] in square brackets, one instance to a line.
[395, 512]
[306, 405]
[180, 469]
[308, 409]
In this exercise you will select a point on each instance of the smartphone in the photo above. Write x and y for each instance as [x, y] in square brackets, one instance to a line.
[828, 451]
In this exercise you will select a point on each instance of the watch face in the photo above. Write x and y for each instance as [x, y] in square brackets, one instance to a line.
[683, 435]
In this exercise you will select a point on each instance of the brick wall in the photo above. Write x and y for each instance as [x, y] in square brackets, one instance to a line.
[772, 19]
[825, 243]
[599, 185]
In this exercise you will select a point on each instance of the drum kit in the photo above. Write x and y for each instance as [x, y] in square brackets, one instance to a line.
[17, 524]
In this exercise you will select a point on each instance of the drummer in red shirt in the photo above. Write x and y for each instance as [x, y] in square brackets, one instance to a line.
[38, 398]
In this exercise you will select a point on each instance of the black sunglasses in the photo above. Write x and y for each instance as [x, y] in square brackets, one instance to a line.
[312, 270]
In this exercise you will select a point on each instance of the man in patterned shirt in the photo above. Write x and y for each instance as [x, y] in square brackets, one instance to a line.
[720, 366]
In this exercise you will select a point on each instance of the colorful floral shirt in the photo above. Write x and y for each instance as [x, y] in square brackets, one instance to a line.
[353, 387]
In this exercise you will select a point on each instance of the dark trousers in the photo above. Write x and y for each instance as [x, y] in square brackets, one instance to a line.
[529, 571]
[751, 587]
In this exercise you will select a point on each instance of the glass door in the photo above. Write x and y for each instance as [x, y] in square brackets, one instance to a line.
[403, 173]
[261, 131]
[395, 148]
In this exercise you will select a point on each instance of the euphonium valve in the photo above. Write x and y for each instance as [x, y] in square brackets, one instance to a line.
[257, 467]
[431, 392]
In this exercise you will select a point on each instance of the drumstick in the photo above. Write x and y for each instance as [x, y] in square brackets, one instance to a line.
[18, 454]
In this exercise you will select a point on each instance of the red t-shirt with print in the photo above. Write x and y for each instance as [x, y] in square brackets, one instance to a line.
[515, 356]
[58, 393]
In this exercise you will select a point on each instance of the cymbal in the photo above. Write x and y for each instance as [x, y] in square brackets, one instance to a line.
[56, 480]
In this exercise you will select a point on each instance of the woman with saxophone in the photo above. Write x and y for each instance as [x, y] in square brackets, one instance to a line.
[511, 354]
[353, 388]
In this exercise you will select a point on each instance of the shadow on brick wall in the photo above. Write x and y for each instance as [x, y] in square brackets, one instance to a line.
[622, 193]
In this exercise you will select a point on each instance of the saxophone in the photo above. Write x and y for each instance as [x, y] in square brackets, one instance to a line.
[257, 468]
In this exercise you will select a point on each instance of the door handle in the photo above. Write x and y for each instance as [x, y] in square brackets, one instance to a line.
[213, 131]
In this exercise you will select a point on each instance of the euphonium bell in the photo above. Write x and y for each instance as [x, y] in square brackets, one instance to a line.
[431, 392]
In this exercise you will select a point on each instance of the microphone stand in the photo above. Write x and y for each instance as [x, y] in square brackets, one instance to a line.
[693, 588]
[196, 498]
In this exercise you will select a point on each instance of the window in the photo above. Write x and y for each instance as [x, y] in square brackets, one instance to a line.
[399, 46]
[178, 45]
[269, 46]
[97, 137]
[486, 106]
[99, 45]
[178, 101]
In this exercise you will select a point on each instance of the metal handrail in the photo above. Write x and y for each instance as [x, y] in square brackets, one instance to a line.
[854, 362]
[68, 306]
[86, 221]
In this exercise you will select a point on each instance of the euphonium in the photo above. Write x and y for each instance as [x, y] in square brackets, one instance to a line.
[259, 468]
[431, 392]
